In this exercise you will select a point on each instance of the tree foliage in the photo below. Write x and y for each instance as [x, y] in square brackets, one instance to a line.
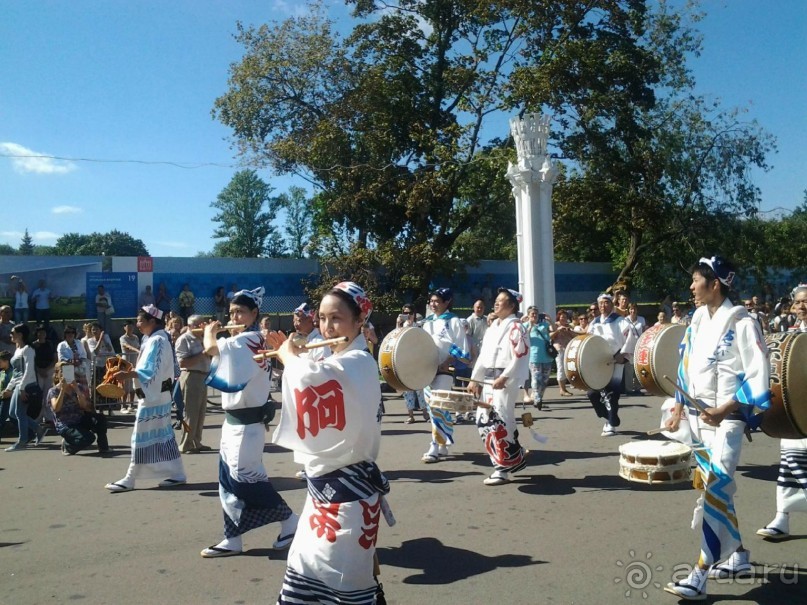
[245, 214]
[299, 224]
[113, 243]
[390, 124]
[26, 245]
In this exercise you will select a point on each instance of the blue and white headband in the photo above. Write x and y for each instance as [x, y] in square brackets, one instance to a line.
[721, 271]
[605, 296]
[256, 295]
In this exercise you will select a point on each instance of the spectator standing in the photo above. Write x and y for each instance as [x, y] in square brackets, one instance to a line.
[44, 359]
[163, 299]
[6, 344]
[21, 303]
[194, 366]
[41, 298]
[129, 348]
[5, 394]
[186, 302]
[73, 352]
[537, 327]
[477, 326]
[23, 376]
[561, 336]
[100, 346]
[678, 316]
[232, 292]
[147, 298]
[415, 400]
[103, 307]
[220, 300]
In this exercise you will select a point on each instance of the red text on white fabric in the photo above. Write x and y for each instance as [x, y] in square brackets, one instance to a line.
[325, 520]
[320, 407]
[370, 516]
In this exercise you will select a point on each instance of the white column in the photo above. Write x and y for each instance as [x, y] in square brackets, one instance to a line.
[533, 178]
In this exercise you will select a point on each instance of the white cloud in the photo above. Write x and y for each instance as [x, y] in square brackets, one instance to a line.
[44, 236]
[66, 210]
[26, 160]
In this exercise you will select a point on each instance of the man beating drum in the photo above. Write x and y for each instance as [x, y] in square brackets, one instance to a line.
[451, 338]
[620, 336]
[724, 366]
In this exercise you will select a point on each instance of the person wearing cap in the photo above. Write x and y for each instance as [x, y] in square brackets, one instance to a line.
[724, 366]
[304, 324]
[791, 485]
[330, 421]
[248, 498]
[621, 338]
[155, 453]
[452, 342]
[499, 371]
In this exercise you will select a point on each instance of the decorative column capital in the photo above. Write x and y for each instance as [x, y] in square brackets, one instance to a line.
[531, 134]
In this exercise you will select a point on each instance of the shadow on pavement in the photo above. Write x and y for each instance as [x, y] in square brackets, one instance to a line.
[441, 564]
[770, 585]
[432, 474]
[549, 485]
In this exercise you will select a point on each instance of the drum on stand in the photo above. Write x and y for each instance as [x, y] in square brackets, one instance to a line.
[657, 355]
[408, 359]
[654, 462]
[787, 416]
[589, 362]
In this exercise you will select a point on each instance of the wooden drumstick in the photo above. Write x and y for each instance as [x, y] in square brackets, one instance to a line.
[311, 345]
[221, 328]
[657, 431]
[698, 405]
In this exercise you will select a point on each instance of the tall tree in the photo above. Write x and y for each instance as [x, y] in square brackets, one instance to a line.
[26, 245]
[390, 123]
[299, 224]
[245, 214]
[113, 243]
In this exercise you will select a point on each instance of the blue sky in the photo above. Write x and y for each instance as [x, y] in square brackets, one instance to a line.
[135, 80]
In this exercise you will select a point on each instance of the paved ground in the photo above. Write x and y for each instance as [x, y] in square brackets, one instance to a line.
[568, 530]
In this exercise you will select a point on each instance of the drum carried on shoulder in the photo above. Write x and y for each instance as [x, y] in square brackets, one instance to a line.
[408, 359]
[589, 362]
[657, 355]
[787, 416]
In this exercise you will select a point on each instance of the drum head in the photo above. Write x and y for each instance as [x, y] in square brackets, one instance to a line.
[596, 362]
[413, 357]
[794, 382]
[657, 355]
[654, 449]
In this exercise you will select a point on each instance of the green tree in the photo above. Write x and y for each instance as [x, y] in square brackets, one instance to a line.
[245, 214]
[390, 123]
[7, 250]
[299, 224]
[113, 243]
[26, 245]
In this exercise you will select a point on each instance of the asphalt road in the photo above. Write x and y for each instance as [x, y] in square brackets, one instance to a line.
[567, 530]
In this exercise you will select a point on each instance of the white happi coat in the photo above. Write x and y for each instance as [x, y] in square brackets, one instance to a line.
[447, 330]
[618, 332]
[330, 409]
